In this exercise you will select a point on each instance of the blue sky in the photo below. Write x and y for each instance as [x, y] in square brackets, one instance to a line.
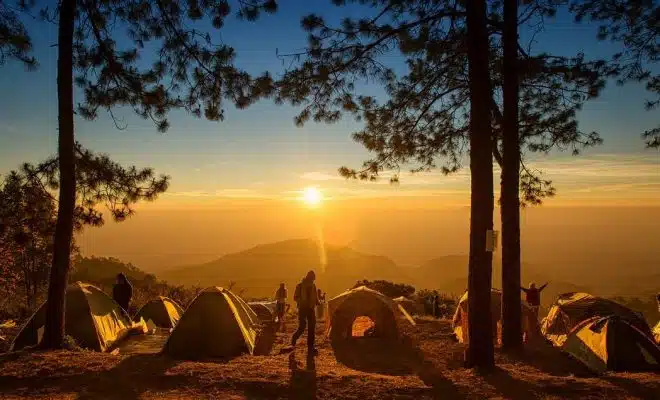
[260, 149]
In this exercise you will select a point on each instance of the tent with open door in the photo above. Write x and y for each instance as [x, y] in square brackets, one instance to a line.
[570, 309]
[217, 323]
[612, 344]
[362, 301]
[460, 321]
[92, 319]
[163, 312]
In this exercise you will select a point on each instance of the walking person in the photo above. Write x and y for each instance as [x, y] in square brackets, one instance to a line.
[306, 297]
[533, 297]
[122, 291]
[280, 306]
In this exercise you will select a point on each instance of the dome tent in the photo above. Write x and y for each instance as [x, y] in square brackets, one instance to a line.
[263, 310]
[92, 318]
[460, 320]
[362, 301]
[217, 323]
[163, 312]
[570, 309]
[612, 344]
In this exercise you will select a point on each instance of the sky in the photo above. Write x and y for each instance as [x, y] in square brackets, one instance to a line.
[257, 157]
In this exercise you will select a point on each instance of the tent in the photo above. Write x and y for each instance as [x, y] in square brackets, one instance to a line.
[163, 312]
[217, 323]
[656, 332]
[612, 344]
[362, 301]
[409, 305]
[570, 309]
[93, 319]
[262, 309]
[460, 320]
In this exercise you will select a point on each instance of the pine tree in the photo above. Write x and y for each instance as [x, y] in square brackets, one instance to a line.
[510, 188]
[636, 25]
[190, 72]
[15, 43]
[424, 121]
[480, 351]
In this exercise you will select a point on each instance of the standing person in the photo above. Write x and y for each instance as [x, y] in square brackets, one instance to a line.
[307, 299]
[436, 306]
[122, 292]
[533, 297]
[280, 305]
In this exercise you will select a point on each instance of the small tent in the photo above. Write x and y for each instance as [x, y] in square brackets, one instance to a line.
[409, 305]
[362, 301]
[163, 312]
[570, 309]
[460, 320]
[656, 332]
[92, 318]
[262, 309]
[612, 344]
[217, 323]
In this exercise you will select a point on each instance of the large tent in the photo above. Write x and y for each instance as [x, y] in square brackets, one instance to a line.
[460, 320]
[570, 309]
[92, 318]
[217, 323]
[362, 301]
[163, 312]
[612, 344]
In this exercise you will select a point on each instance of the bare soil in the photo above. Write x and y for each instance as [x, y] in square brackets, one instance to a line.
[427, 365]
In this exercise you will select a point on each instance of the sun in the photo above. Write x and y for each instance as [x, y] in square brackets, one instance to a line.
[312, 196]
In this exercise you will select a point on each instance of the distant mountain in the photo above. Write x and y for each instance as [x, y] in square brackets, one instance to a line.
[260, 269]
[104, 270]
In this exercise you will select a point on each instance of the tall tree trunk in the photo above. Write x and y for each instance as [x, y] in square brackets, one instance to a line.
[54, 329]
[480, 350]
[510, 204]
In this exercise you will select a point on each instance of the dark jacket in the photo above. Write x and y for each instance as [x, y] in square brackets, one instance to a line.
[306, 294]
[122, 294]
[533, 296]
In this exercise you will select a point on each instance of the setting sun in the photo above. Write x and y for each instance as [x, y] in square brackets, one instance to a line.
[312, 196]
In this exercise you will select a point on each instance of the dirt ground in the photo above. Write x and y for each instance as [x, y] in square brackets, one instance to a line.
[426, 366]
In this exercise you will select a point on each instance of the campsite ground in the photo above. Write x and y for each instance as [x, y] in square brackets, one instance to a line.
[429, 366]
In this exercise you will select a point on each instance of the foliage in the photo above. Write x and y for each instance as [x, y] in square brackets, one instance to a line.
[424, 120]
[28, 212]
[389, 289]
[636, 25]
[15, 43]
[447, 303]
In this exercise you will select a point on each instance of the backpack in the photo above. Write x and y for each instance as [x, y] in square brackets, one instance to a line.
[296, 294]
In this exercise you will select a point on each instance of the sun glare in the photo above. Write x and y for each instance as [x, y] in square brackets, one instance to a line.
[312, 196]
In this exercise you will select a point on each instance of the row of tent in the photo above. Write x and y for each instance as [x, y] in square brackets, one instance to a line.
[217, 323]
[602, 334]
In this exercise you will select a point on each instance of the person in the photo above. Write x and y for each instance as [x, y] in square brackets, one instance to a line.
[122, 292]
[436, 306]
[533, 297]
[280, 305]
[307, 299]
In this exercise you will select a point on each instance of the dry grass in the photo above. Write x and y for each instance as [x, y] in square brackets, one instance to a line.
[428, 365]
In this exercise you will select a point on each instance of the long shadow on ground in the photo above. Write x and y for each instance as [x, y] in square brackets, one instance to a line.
[303, 381]
[395, 358]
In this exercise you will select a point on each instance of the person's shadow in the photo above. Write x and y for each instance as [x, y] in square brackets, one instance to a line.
[303, 381]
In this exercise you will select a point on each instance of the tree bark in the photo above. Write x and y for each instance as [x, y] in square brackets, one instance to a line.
[510, 204]
[480, 350]
[54, 329]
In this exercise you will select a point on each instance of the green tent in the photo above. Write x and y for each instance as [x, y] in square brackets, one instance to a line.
[216, 324]
[612, 344]
[93, 319]
[163, 312]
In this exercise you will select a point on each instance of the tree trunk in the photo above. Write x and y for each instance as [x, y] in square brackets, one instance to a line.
[510, 204]
[480, 350]
[54, 329]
